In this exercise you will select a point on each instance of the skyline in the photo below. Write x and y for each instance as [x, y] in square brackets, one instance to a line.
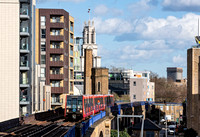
[141, 34]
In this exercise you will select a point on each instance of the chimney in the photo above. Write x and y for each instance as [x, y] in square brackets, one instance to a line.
[88, 63]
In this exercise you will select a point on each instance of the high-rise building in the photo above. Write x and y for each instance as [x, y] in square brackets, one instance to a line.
[78, 73]
[193, 90]
[175, 74]
[89, 42]
[17, 50]
[54, 52]
[27, 52]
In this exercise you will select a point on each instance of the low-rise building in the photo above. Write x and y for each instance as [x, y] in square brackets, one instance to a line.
[134, 83]
[173, 111]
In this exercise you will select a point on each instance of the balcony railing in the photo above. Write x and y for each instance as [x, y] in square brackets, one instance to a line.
[24, 64]
[24, 29]
[23, 11]
[24, 98]
[24, 46]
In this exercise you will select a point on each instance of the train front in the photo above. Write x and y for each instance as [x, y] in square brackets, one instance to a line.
[73, 107]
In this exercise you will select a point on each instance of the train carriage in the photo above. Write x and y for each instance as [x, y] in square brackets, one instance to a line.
[82, 106]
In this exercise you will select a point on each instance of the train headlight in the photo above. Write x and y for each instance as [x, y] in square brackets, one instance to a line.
[67, 110]
[81, 111]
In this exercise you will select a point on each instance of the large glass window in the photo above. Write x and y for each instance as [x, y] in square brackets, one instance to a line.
[55, 32]
[55, 57]
[74, 102]
[43, 59]
[55, 83]
[43, 33]
[43, 46]
[43, 20]
[55, 70]
[69, 104]
[55, 45]
[42, 73]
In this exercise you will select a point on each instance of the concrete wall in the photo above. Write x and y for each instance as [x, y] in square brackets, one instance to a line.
[138, 88]
[9, 58]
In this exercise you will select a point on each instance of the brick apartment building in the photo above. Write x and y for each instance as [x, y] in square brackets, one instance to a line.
[54, 52]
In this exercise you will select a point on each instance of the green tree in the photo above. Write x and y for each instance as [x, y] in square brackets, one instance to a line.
[121, 133]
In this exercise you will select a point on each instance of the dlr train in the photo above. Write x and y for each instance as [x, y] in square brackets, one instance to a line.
[82, 106]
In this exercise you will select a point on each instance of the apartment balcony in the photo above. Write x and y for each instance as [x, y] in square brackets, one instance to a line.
[57, 37]
[24, 100]
[56, 63]
[56, 50]
[24, 13]
[24, 48]
[56, 101]
[57, 90]
[24, 65]
[24, 83]
[24, 31]
[57, 76]
[56, 25]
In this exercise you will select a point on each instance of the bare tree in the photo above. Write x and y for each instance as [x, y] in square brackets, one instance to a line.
[167, 90]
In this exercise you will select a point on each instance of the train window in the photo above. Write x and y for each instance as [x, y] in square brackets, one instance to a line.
[74, 102]
[79, 103]
[69, 104]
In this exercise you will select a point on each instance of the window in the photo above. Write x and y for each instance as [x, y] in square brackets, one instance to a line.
[55, 45]
[161, 108]
[99, 87]
[134, 83]
[43, 33]
[167, 107]
[55, 19]
[55, 83]
[43, 46]
[55, 32]
[42, 20]
[43, 59]
[42, 73]
[55, 70]
[134, 96]
[55, 58]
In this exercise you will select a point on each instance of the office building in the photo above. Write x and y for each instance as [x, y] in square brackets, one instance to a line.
[54, 52]
[175, 74]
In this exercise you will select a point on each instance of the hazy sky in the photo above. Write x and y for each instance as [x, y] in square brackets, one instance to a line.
[137, 34]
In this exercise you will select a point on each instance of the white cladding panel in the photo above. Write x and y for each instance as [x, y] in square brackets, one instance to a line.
[9, 58]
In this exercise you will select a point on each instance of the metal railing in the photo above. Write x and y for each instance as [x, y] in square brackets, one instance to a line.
[23, 11]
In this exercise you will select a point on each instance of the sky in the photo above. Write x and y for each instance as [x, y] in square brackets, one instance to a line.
[137, 34]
